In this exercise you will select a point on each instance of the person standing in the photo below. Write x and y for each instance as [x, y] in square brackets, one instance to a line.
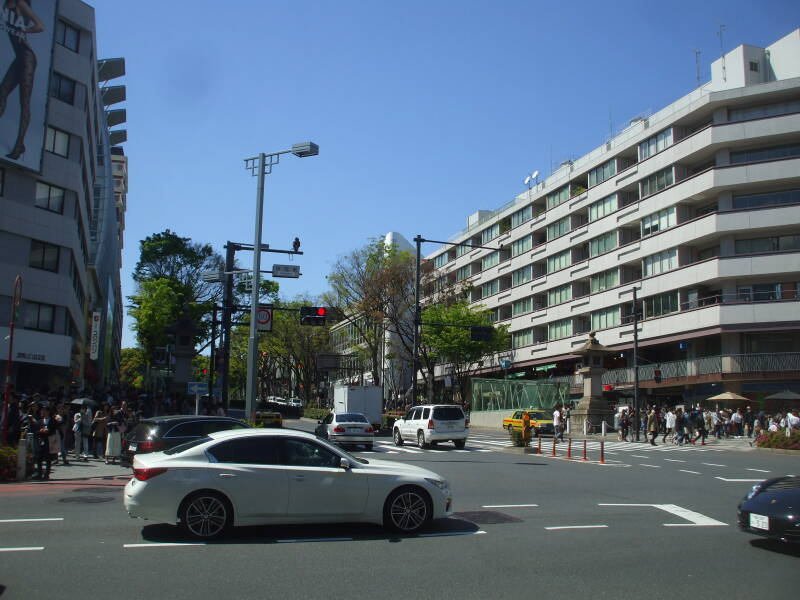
[114, 440]
[652, 425]
[669, 427]
[44, 428]
[557, 431]
[62, 425]
[101, 417]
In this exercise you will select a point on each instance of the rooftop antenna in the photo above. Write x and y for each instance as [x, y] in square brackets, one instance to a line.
[532, 178]
[722, 51]
[697, 54]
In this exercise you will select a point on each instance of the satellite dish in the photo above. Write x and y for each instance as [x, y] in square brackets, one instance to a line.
[527, 180]
[535, 175]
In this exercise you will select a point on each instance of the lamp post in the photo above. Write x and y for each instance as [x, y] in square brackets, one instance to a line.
[15, 302]
[260, 166]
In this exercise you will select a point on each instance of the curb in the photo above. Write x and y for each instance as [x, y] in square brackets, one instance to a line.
[777, 450]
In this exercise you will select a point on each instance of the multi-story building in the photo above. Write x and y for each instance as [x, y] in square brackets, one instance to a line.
[697, 207]
[61, 223]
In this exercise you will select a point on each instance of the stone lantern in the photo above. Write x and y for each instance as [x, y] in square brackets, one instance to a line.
[184, 330]
[592, 407]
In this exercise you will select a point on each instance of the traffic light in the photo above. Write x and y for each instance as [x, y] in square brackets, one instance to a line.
[481, 333]
[657, 375]
[313, 315]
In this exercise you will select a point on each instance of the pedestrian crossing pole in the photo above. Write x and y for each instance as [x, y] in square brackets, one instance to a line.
[584, 450]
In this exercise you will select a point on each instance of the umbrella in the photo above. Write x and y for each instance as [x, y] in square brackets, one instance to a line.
[729, 396]
[784, 395]
[84, 402]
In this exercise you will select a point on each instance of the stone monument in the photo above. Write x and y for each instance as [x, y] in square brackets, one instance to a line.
[592, 407]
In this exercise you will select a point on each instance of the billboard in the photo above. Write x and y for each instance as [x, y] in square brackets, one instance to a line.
[26, 47]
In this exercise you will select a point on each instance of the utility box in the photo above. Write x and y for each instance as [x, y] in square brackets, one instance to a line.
[365, 399]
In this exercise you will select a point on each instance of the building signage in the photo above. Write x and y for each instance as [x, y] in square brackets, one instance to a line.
[37, 347]
[26, 45]
[94, 337]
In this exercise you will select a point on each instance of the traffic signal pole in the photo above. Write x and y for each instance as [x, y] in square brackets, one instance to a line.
[637, 409]
[227, 314]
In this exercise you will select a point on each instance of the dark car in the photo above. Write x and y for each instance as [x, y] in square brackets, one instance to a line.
[159, 433]
[772, 509]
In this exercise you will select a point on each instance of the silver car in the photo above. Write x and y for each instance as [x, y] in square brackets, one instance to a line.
[346, 428]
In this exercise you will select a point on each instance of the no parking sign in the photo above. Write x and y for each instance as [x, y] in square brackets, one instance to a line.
[264, 318]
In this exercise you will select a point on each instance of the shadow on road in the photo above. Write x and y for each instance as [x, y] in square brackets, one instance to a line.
[776, 546]
[164, 533]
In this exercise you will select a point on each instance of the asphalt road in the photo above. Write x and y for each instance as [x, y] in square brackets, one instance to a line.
[659, 523]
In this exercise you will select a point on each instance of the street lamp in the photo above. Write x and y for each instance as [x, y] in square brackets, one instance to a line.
[260, 166]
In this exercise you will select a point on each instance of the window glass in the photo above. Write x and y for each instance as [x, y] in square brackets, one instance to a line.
[490, 288]
[487, 235]
[657, 221]
[521, 245]
[440, 260]
[661, 304]
[560, 294]
[604, 280]
[448, 413]
[558, 228]
[63, 88]
[463, 273]
[57, 142]
[603, 243]
[351, 418]
[187, 445]
[522, 275]
[426, 413]
[608, 317]
[255, 450]
[656, 182]
[521, 216]
[654, 144]
[555, 198]
[559, 329]
[38, 316]
[603, 207]
[490, 260]
[67, 36]
[558, 261]
[660, 262]
[303, 453]
[764, 110]
[49, 197]
[214, 426]
[603, 172]
[766, 199]
[417, 413]
[44, 256]
[190, 429]
[772, 153]
[522, 306]
[522, 338]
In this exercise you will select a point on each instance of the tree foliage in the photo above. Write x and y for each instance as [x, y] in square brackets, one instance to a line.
[132, 367]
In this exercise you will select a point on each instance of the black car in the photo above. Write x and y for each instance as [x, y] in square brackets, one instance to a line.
[772, 509]
[159, 433]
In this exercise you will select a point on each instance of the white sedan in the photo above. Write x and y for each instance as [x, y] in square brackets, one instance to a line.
[260, 477]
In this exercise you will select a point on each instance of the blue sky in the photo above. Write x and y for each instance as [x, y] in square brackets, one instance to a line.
[424, 111]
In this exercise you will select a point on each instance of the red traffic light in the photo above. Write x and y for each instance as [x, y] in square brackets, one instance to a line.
[322, 311]
[608, 388]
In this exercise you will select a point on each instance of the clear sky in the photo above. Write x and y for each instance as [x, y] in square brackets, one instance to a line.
[424, 111]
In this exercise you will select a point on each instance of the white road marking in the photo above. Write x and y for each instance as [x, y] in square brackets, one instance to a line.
[695, 518]
[164, 545]
[482, 450]
[409, 450]
[577, 527]
[31, 520]
[653, 466]
[674, 460]
[639, 456]
[460, 450]
[739, 480]
[332, 539]
[22, 549]
[692, 472]
[510, 506]
[712, 465]
[449, 533]
[758, 470]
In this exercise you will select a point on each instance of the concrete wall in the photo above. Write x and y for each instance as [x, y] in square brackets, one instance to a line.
[490, 419]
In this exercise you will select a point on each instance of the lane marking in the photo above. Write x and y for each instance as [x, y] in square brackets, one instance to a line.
[31, 520]
[712, 465]
[739, 480]
[695, 519]
[510, 506]
[639, 456]
[692, 472]
[577, 527]
[674, 460]
[449, 533]
[653, 466]
[332, 539]
[164, 545]
[758, 470]
[22, 549]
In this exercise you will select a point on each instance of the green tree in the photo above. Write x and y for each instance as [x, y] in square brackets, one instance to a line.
[446, 338]
[154, 307]
[132, 367]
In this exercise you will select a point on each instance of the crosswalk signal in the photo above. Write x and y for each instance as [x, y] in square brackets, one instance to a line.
[313, 315]
[657, 375]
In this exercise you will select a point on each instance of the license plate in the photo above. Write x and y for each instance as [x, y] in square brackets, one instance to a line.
[132, 447]
[759, 522]
[355, 430]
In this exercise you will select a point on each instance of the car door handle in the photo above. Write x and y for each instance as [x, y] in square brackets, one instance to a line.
[227, 475]
[299, 477]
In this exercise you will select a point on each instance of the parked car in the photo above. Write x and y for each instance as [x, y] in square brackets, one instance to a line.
[268, 418]
[346, 428]
[430, 424]
[296, 402]
[772, 509]
[541, 421]
[260, 477]
[160, 433]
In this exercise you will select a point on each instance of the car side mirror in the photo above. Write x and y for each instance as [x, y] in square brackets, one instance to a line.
[344, 463]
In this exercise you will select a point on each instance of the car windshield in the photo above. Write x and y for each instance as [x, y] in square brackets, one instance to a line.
[538, 414]
[351, 418]
[448, 413]
[187, 445]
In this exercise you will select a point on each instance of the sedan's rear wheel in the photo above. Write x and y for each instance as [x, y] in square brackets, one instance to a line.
[398, 439]
[206, 515]
[460, 443]
[407, 510]
[421, 440]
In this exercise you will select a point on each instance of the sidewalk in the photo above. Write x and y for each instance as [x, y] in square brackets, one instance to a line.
[90, 469]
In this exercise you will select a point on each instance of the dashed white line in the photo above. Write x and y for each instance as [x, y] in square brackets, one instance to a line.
[674, 460]
[692, 472]
[653, 466]
[639, 456]
[739, 480]
[577, 527]
[758, 470]
[22, 549]
[163, 545]
[449, 533]
[510, 506]
[712, 465]
[31, 520]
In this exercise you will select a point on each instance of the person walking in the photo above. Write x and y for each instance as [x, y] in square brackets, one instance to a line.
[558, 432]
[624, 423]
[652, 425]
[669, 427]
[679, 426]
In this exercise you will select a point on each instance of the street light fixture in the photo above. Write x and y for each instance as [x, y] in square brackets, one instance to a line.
[260, 166]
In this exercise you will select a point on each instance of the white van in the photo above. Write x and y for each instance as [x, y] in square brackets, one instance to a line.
[432, 423]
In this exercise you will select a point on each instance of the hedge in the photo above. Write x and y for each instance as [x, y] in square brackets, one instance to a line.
[779, 440]
[8, 463]
[316, 413]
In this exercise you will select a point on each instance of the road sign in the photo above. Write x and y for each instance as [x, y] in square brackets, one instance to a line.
[292, 271]
[198, 388]
[264, 318]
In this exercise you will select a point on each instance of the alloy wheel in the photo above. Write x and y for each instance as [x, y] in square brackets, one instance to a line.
[206, 516]
[408, 511]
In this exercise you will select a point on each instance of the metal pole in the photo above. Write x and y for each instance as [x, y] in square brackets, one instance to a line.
[212, 355]
[16, 298]
[417, 320]
[252, 346]
[637, 417]
[227, 312]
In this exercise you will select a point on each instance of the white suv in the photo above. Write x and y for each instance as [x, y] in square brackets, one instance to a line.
[432, 423]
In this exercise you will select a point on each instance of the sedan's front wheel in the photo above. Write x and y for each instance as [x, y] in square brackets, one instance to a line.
[398, 439]
[205, 515]
[407, 510]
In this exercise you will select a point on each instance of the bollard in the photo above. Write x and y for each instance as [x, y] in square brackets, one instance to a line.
[602, 452]
[569, 449]
[22, 450]
[585, 425]
[567, 426]
[584, 449]
[603, 427]
[540, 444]
[554, 446]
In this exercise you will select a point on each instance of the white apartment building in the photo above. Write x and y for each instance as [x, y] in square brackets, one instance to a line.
[697, 207]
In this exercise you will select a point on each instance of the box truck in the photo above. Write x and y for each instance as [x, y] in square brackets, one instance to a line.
[364, 399]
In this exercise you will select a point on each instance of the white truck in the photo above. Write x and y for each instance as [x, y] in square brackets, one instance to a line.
[365, 399]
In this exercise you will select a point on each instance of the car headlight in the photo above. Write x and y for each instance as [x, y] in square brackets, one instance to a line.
[440, 483]
[752, 493]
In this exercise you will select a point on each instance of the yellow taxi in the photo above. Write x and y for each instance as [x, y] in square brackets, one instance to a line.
[541, 421]
[268, 418]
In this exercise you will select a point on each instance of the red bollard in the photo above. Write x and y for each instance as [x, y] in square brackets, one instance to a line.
[540, 444]
[569, 449]
[584, 449]
[554, 446]
[602, 452]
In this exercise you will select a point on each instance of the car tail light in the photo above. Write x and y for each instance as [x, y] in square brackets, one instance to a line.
[145, 474]
[369, 429]
[338, 429]
[150, 446]
[430, 424]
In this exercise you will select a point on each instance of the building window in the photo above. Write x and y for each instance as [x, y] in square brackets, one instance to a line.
[522, 275]
[658, 221]
[490, 260]
[768, 244]
[490, 288]
[559, 329]
[766, 199]
[490, 233]
[754, 66]
[655, 144]
[62, 88]
[521, 216]
[707, 253]
[441, 260]
[68, 36]
[44, 256]
[463, 273]
[608, 317]
[602, 244]
[764, 110]
[663, 304]
[76, 281]
[521, 307]
[603, 207]
[39, 316]
[660, 262]
[462, 250]
[558, 261]
[604, 280]
[557, 229]
[57, 142]
[522, 338]
[603, 172]
[555, 198]
[50, 197]
[759, 154]
[521, 245]
[656, 182]
[560, 294]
